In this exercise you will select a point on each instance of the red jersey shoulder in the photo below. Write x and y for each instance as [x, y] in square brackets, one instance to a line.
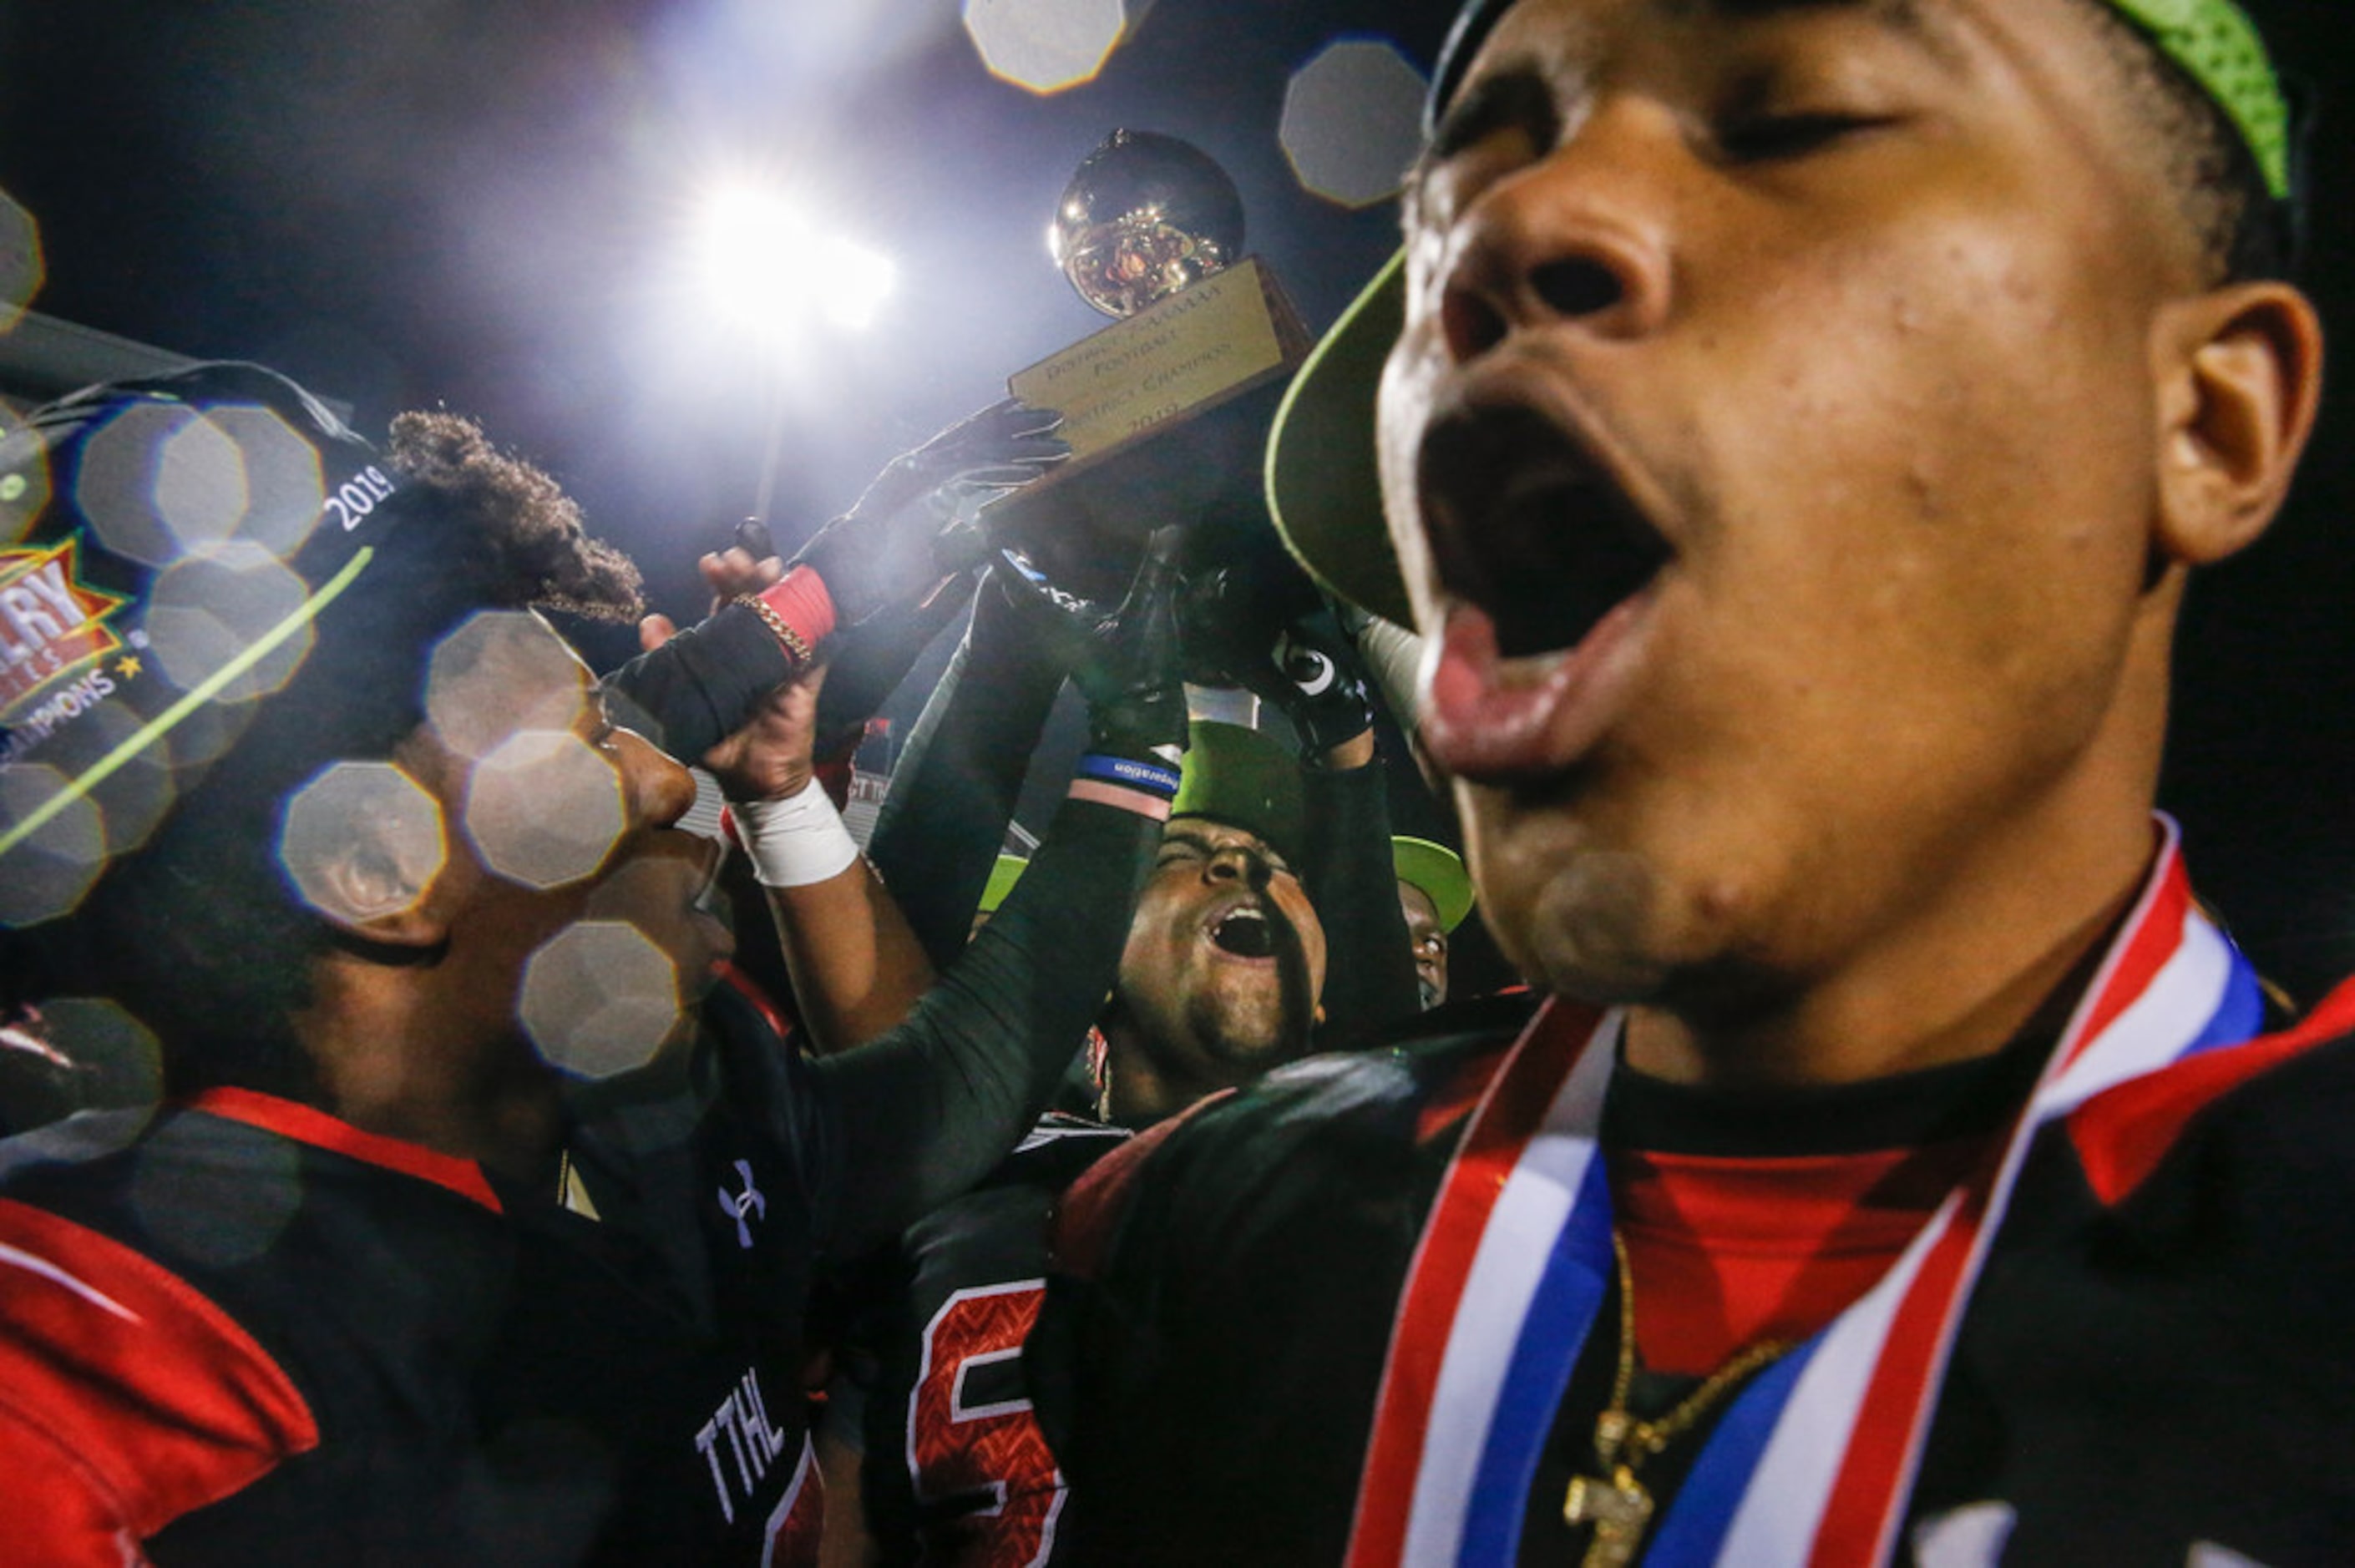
[1093, 1204]
[2122, 1134]
[127, 1398]
[1410, 1094]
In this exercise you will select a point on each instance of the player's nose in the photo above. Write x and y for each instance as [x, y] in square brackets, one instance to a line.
[1579, 237]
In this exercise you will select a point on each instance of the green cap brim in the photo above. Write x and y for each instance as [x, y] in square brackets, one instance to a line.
[1322, 484]
[1439, 872]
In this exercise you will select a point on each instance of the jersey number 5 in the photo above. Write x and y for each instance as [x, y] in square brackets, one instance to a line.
[972, 1439]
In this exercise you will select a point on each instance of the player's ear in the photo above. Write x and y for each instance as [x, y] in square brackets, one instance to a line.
[2239, 374]
[364, 852]
[372, 892]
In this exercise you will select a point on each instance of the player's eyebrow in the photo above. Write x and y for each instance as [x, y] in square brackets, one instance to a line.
[1907, 18]
[1206, 846]
[1515, 97]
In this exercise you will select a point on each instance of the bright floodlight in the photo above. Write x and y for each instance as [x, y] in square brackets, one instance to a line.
[1352, 121]
[771, 269]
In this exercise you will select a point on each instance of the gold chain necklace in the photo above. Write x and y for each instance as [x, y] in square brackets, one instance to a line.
[1615, 1503]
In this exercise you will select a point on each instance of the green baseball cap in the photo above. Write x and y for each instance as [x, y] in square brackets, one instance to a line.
[1439, 872]
[1322, 485]
[1245, 779]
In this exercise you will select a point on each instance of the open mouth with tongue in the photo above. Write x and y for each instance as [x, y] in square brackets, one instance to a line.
[1545, 567]
[1244, 931]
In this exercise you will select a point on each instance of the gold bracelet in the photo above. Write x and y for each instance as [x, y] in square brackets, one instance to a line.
[796, 649]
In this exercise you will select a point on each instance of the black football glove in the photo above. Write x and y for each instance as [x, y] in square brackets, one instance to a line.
[1302, 663]
[914, 526]
[700, 687]
[1124, 660]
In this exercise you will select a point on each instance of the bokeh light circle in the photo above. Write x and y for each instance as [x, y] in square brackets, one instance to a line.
[22, 269]
[1353, 121]
[24, 477]
[118, 1062]
[545, 808]
[501, 672]
[153, 471]
[205, 610]
[600, 998]
[133, 799]
[245, 1202]
[361, 840]
[1047, 46]
[48, 873]
[282, 494]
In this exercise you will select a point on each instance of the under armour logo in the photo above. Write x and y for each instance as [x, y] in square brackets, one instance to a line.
[736, 1206]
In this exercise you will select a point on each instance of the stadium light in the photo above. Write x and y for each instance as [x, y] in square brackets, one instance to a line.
[772, 270]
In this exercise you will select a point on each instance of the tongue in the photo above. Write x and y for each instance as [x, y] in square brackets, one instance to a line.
[1486, 720]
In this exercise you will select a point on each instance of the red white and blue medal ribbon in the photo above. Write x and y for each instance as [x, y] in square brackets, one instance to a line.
[1812, 1463]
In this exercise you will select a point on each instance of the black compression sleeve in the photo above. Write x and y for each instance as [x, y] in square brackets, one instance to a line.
[957, 782]
[926, 1110]
[1352, 880]
[698, 688]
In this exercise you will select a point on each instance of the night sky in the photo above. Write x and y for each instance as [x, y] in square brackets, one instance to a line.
[484, 204]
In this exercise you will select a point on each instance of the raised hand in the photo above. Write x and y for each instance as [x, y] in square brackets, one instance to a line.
[916, 524]
[768, 754]
[1287, 648]
[1124, 661]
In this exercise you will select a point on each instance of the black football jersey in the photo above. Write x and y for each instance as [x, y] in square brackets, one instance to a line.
[254, 1332]
[956, 1470]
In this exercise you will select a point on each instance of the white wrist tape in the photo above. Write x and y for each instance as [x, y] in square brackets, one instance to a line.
[796, 841]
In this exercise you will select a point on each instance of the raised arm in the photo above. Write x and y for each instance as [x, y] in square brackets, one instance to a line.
[960, 773]
[856, 966]
[925, 1111]
[1279, 639]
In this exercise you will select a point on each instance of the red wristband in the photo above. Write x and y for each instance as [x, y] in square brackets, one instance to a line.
[800, 601]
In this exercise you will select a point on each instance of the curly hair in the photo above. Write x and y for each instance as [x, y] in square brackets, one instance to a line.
[528, 530]
[198, 932]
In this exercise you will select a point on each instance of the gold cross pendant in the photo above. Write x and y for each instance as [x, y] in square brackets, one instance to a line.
[1618, 1508]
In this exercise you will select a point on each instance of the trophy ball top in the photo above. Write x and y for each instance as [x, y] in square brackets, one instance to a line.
[1145, 215]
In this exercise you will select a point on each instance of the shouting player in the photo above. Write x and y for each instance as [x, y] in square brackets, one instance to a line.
[1227, 972]
[1798, 421]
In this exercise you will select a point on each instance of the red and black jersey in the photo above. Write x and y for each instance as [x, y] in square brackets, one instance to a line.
[956, 1470]
[246, 1331]
[2146, 1354]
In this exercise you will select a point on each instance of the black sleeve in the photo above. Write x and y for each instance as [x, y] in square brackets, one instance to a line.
[1369, 965]
[956, 785]
[924, 1112]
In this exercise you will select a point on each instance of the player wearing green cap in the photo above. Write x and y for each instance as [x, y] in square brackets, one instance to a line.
[1269, 913]
[1435, 895]
[1795, 422]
